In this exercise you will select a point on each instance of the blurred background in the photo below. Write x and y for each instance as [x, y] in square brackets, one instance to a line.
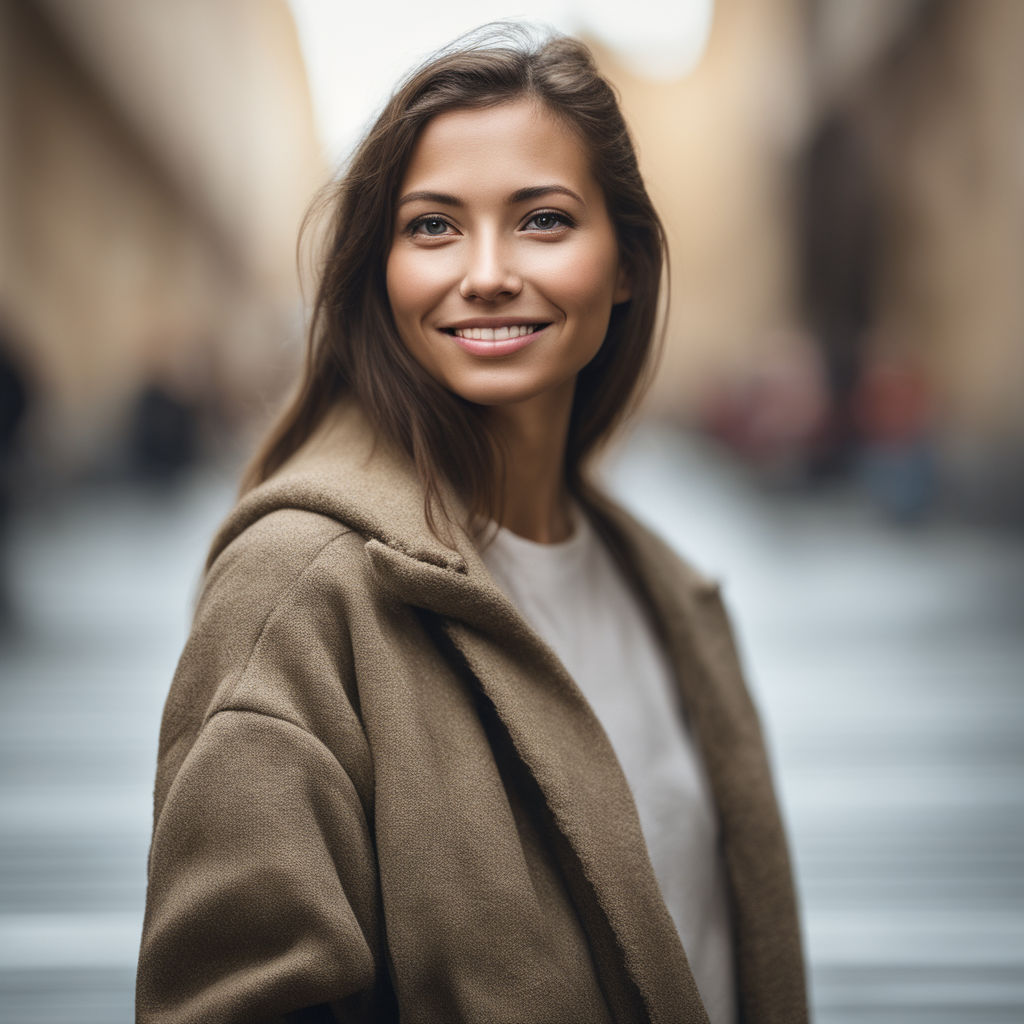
[836, 429]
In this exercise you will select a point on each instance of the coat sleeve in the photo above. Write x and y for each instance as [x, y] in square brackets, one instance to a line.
[262, 894]
[263, 901]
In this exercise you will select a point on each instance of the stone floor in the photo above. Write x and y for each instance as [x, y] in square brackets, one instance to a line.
[889, 667]
[888, 663]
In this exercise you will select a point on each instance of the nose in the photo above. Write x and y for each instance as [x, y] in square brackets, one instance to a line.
[489, 274]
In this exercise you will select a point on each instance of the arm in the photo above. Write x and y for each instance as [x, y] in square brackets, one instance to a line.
[262, 896]
[263, 901]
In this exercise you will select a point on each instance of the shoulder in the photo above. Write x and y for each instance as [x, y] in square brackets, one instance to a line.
[280, 564]
[261, 559]
[274, 596]
[689, 611]
[265, 591]
[270, 636]
[659, 564]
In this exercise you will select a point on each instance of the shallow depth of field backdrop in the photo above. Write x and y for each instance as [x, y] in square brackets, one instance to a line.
[836, 429]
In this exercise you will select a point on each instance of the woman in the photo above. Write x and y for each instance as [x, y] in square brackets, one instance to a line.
[454, 738]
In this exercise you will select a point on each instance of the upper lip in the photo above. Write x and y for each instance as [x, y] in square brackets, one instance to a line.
[493, 322]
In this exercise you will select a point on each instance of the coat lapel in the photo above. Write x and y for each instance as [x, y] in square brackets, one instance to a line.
[562, 744]
[348, 473]
[695, 627]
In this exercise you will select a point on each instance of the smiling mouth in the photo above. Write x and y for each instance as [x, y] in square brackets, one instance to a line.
[493, 333]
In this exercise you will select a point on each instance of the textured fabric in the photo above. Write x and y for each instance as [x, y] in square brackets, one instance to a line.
[577, 600]
[380, 795]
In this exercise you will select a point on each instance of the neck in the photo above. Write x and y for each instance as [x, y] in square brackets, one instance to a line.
[535, 501]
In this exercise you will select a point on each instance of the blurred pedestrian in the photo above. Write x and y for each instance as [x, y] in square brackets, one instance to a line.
[839, 235]
[893, 410]
[455, 737]
[14, 403]
[164, 433]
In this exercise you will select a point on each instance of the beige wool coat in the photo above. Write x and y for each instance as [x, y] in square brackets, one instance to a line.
[380, 797]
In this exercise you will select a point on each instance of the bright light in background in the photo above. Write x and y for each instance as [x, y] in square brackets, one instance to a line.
[355, 53]
[654, 38]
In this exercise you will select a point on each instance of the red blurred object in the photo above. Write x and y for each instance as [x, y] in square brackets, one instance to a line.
[772, 413]
[892, 402]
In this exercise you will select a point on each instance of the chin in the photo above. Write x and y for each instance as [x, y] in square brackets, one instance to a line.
[493, 398]
[494, 390]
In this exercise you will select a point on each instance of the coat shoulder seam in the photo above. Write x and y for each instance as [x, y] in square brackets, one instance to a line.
[240, 709]
[283, 600]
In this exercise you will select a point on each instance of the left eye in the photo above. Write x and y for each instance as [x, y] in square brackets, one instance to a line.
[546, 221]
[432, 226]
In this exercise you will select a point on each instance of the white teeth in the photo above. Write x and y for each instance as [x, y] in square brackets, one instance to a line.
[494, 333]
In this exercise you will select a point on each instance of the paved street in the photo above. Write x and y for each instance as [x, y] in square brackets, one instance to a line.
[889, 665]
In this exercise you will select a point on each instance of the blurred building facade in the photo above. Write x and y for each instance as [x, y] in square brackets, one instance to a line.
[715, 147]
[841, 184]
[941, 112]
[156, 162]
[843, 187]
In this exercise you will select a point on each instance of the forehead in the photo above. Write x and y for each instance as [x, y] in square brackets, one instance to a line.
[499, 149]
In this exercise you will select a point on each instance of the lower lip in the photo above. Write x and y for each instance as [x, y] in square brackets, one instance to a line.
[496, 348]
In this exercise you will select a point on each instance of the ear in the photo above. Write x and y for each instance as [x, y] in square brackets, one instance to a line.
[623, 285]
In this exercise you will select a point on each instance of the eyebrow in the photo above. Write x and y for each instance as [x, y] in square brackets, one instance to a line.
[441, 198]
[536, 191]
[519, 196]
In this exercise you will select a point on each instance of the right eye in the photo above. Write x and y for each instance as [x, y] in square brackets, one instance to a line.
[432, 227]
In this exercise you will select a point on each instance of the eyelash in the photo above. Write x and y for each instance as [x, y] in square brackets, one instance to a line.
[564, 220]
[418, 222]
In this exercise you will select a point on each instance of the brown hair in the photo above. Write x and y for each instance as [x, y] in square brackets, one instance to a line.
[354, 348]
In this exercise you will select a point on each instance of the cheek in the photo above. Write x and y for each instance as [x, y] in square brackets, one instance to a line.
[414, 285]
[585, 281]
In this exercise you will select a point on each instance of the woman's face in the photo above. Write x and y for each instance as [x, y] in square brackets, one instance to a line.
[504, 265]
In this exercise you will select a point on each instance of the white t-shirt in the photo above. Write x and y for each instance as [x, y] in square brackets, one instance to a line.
[575, 598]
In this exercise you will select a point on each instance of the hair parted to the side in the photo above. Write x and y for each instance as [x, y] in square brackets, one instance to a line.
[354, 348]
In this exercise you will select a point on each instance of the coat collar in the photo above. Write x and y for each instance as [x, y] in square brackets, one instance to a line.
[345, 472]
